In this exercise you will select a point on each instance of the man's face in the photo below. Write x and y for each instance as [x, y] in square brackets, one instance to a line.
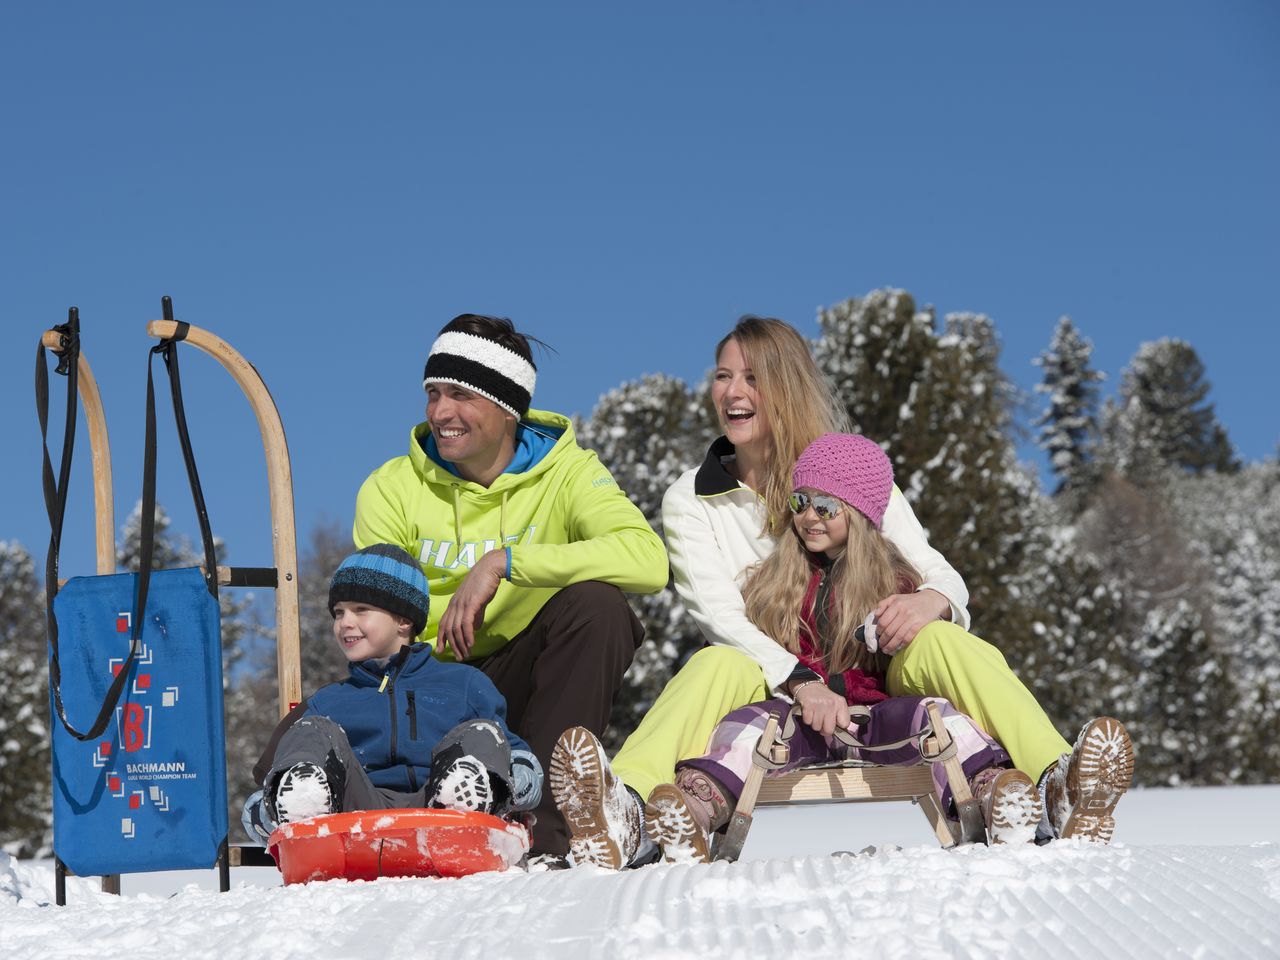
[469, 429]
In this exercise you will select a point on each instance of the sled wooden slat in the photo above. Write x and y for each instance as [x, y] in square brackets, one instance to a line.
[280, 491]
[859, 783]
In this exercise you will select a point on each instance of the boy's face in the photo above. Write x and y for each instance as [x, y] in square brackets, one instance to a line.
[365, 633]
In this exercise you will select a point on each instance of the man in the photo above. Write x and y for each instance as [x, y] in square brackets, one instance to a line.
[524, 537]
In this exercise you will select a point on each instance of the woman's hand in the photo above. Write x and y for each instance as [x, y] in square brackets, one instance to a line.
[820, 708]
[900, 617]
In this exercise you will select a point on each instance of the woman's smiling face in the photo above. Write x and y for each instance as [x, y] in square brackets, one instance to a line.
[737, 401]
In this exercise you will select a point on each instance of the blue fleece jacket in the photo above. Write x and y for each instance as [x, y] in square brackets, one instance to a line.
[395, 713]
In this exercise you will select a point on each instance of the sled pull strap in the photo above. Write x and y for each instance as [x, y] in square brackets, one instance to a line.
[147, 531]
[55, 491]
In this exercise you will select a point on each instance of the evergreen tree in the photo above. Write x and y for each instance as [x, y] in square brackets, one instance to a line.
[26, 803]
[941, 407]
[1166, 380]
[1234, 521]
[1068, 427]
[874, 351]
[648, 432]
[1073, 658]
[1179, 712]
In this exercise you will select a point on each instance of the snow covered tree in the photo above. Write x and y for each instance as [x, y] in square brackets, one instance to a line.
[1234, 521]
[1068, 427]
[1073, 657]
[26, 804]
[874, 351]
[1179, 715]
[940, 405]
[1166, 381]
[648, 432]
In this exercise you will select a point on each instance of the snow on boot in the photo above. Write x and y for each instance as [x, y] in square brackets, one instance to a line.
[1010, 803]
[301, 793]
[464, 785]
[602, 814]
[1084, 786]
[681, 817]
[672, 819]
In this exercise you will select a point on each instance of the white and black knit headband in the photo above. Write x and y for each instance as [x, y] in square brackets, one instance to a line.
[483, 366]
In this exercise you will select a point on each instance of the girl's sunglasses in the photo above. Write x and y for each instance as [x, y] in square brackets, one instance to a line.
[827, 508]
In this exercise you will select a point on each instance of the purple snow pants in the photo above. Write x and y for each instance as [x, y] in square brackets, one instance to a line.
[728, 756]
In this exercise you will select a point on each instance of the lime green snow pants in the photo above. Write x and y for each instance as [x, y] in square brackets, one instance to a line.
[942, 661]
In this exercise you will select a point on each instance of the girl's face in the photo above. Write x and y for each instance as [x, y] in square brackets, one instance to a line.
[737, 401]
[820, 535]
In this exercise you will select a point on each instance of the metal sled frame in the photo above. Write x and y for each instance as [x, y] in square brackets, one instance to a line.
[858, 782]
[282, 577]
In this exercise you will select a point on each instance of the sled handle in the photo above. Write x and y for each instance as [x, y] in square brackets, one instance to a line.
[280, 490]
[100, 449]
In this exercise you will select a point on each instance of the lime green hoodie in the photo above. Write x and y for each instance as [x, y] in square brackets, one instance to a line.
[564, 518]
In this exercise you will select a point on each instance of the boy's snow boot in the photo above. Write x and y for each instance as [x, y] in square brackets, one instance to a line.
[1010, 803]
[471, 769]
[602, 814]
[1084, 786]
[681, 817]
[302, 792]
[463, 785]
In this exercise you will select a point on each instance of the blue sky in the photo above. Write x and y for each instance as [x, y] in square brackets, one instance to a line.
[324, 185]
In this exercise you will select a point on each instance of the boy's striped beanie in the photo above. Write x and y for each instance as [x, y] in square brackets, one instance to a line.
[385, 576]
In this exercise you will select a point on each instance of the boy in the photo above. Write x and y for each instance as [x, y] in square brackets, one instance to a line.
[403, 730]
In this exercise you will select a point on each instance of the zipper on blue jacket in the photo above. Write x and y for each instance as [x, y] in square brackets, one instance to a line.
[393, 674]
[413, 716]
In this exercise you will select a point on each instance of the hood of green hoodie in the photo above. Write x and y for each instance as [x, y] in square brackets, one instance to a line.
[543, 435]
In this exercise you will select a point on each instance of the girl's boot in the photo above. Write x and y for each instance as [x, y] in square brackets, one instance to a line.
[681, 817]
[1011, 805]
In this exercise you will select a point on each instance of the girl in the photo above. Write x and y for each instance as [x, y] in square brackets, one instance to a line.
[825, 578]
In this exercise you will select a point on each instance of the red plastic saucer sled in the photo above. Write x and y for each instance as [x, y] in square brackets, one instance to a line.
[396, 843]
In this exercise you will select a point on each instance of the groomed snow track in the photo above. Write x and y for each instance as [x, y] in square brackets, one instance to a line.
[1069, 900]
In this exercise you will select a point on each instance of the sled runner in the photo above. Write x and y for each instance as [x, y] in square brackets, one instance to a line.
[396, 843]
[857, 782]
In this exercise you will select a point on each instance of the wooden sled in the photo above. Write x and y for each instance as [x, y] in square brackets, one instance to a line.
[396, 843]
[857, 782]
[282, 577]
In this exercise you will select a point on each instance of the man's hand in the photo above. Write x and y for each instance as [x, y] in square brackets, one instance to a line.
[822, 709]
[465, 612]
[900, 617]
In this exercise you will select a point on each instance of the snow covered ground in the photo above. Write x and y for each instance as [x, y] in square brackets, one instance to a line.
[1192, 873]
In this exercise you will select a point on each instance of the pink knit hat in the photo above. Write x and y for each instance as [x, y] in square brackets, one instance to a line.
[850, 467]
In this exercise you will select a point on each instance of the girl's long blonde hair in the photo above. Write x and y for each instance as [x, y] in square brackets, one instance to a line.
[869, 569]
[798, 403]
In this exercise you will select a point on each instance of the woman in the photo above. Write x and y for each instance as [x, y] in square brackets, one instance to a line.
[721, 519]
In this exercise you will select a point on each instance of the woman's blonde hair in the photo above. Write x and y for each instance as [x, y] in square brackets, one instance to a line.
[869, 569]
[798, 403]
